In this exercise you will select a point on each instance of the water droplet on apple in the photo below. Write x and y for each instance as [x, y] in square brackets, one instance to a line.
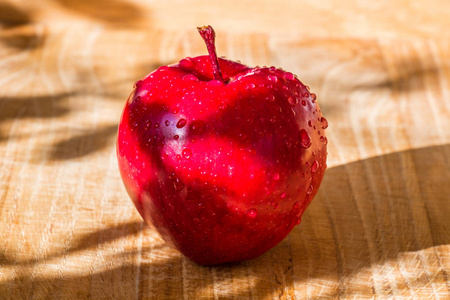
[137, 99]
[181, 123]
[272, 69]
[176, 110]
[296, 205]
[186, 153]
[147, 125]
[314, 97]
[324, 123]
[310, 190]
[190, 77]
[167, 122]
[219, 190]
[156, 125]
[252, 213]
[292, 100]
[305, 139]
[283, 195]
[288, 76]
[324, 140]
[176, 137]
[215, 83]
[197, 126]
[310, 123]
[274, 204]
[178, 184]
[272, 78]
[270, 98]
[250, 86]
[314, 166]
[303, 102]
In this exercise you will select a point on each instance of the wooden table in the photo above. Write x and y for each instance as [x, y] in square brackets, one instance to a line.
[380, 225]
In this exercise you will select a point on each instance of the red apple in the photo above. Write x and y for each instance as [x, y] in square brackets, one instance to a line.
[221, 158]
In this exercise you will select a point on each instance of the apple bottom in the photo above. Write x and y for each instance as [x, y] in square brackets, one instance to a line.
[212, 234]
[207, 226]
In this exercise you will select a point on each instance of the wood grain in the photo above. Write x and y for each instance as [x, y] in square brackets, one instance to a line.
[379, 227]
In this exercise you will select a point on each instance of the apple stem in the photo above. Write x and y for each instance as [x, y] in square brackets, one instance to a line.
[208, 35]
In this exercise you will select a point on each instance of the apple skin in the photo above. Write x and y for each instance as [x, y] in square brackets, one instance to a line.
[222, 169]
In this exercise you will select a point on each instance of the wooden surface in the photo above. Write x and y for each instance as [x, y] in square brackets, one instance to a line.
[380, 225]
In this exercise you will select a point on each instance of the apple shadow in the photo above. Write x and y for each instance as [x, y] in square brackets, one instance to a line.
[377, 212]
[367, 213]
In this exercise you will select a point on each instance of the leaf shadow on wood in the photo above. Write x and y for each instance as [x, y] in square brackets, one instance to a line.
[339, 70]
[47, 106]
[117, 13]
[10, 15]
[367, 213]
[33, 107]
[25, 37]
[19, 31]
[84, 143]
[80, 243]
